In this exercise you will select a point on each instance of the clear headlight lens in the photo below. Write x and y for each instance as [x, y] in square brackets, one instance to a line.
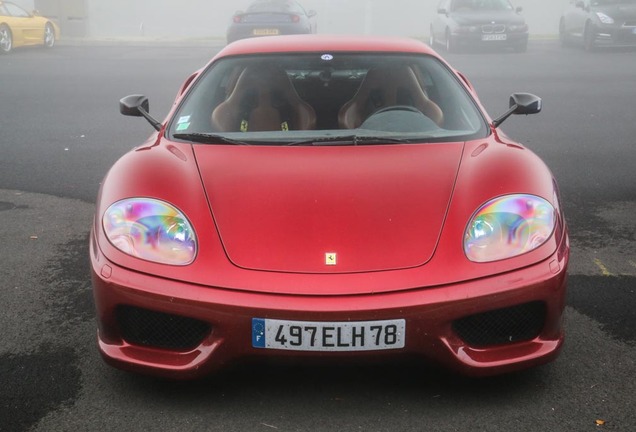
[508, 226]
[150, 229]
[605, 19]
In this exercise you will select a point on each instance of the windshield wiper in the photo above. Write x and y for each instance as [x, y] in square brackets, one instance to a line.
[207, 138]
[350, 140]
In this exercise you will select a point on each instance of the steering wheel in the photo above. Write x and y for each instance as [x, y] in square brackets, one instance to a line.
[399, 119]
[397, 108]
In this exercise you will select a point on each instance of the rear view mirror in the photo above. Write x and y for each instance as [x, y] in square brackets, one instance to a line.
[138, 106]
[525, 103]
[520, 103]
[130, 105]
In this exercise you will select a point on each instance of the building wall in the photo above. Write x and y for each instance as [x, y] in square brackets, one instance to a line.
[209, 18]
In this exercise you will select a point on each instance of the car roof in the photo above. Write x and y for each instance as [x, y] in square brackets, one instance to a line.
[327, 43]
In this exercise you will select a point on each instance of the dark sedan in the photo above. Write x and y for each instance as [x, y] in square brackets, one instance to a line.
[271, 18]
[463, 23]
[596, 23]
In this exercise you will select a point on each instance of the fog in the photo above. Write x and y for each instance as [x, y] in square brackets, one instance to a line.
[208, 19]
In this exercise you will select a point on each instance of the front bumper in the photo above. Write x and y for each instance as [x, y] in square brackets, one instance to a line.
[474, 39]
[436, 320]
[615, 36]
[246, 31]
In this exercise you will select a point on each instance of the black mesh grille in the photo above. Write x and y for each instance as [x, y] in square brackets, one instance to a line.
[145, 327]
[501, 326]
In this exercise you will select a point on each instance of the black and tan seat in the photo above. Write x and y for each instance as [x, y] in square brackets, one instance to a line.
[263, 99]
[384, 87]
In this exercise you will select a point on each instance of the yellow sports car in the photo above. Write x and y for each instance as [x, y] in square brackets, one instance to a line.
[20, 28]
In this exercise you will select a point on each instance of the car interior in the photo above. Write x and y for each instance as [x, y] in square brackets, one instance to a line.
[263, 100]
[384, 87]
[286, 94]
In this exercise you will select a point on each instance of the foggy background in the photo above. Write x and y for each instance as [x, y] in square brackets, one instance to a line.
[210, 18]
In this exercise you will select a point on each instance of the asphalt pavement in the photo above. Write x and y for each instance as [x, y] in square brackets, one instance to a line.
[60, 130]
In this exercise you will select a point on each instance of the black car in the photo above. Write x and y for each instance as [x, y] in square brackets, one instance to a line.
[463, 23]
[271, 18]
[596, 23]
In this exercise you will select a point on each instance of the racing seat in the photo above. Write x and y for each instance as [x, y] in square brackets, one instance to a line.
[263, 99]
[384, 87]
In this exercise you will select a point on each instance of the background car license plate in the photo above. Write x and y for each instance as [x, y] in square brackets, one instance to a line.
[265, 32]
[493, 37]
[328, 336]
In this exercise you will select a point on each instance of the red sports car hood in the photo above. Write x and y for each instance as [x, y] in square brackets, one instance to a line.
[329, 209]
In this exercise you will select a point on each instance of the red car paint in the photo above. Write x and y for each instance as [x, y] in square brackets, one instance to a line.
[266, 215]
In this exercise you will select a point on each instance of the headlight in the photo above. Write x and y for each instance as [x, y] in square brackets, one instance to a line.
[605, 19]
[150, 229]
[508, 226]
[467, 29]
[518, 28]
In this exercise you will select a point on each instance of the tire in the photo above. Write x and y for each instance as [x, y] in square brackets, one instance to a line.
[6, 40]
[589, 38]
[49, 36]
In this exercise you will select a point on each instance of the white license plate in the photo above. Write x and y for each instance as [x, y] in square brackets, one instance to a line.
[265, 32]
[328, 336]
[493, 37]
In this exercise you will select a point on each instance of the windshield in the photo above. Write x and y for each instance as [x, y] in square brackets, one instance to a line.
[612, 2]
[475, 5]
[275, 6]
[285, 99]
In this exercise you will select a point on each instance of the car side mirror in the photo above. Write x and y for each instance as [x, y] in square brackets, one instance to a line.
[311, 13]
[520, 103]
[579, 4]
[138, 106]
[519, 9]
[442, 11]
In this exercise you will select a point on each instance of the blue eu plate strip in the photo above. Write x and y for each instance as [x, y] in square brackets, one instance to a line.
[258, 333]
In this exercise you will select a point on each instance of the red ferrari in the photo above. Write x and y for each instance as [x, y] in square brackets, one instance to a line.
[328, 197]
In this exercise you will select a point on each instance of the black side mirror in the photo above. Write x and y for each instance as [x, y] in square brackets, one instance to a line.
[138, 106]
[129, 106]
[520, 103]
[442, 11]
[579, 4]
[311, 13]
[525, 103]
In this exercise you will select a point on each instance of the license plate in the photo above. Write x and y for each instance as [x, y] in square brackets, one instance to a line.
[328, 336]
[493, 37]
[265, 32]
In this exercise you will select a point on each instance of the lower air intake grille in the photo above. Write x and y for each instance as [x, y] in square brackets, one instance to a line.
[156, 329]
[502, 326]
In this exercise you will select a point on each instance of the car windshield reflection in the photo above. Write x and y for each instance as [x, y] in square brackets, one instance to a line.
[286, 99]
